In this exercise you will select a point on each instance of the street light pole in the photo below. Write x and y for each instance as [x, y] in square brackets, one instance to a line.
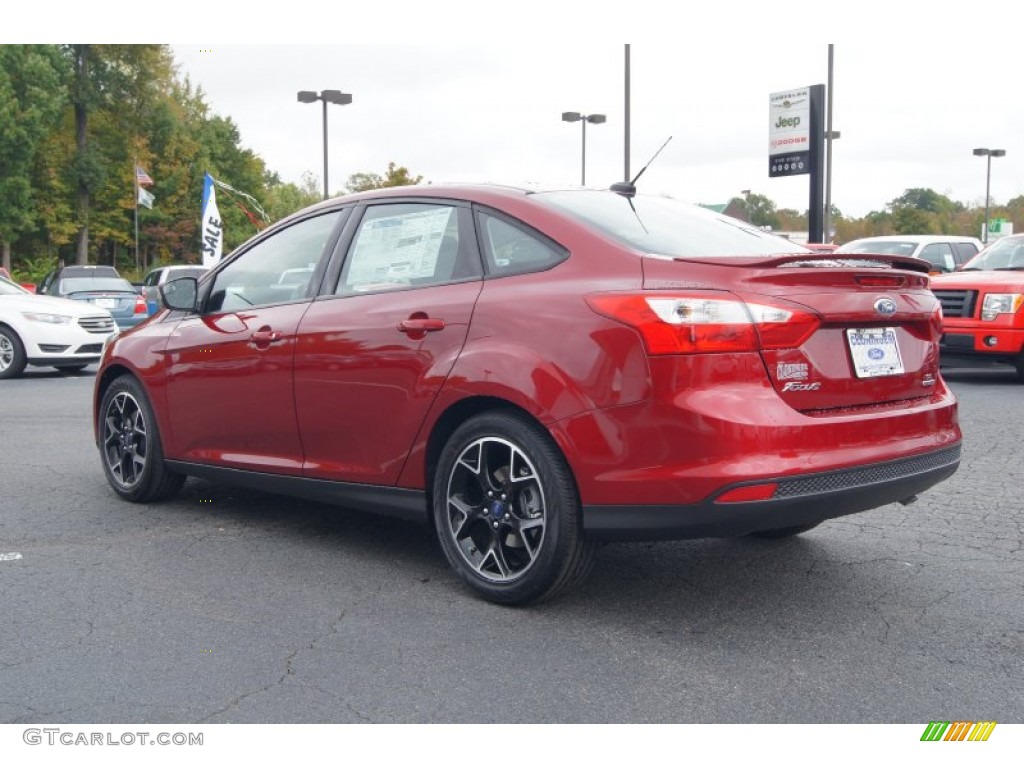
[988, 154]
[572, 117]
[326, 193]
[332, 97]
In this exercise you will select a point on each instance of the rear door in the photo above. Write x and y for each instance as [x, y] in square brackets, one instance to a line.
[375, 348]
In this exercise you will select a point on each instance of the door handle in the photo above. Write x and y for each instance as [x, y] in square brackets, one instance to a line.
[264, 337]
[421, 325]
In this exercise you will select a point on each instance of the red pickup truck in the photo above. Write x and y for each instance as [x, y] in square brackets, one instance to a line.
[981, 306]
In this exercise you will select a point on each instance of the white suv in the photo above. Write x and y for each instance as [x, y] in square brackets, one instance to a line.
[944, 252]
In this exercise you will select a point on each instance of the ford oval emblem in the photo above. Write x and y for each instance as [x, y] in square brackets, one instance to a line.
[885, 306]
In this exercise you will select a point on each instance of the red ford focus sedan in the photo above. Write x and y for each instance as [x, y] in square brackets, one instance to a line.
[532, 372]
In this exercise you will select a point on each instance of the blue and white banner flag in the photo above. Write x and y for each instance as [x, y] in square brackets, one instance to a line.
[212, 234]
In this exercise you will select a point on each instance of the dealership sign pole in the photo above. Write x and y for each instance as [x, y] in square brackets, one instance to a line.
[795, 145]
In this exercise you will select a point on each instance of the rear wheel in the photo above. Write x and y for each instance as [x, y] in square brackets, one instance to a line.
[784, 533]
[12, 354]
[1019, 365]
[506, 511]
[133, 458]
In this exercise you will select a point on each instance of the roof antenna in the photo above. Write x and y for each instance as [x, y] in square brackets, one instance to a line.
[628, 188]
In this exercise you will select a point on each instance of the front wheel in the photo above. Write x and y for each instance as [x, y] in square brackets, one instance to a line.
[133, 458]
[12, 354]
[506, 511]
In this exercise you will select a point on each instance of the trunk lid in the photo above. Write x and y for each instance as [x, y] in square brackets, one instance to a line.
[876, 341]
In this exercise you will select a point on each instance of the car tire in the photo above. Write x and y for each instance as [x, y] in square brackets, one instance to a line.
[130, 446]
[507, 513]
[1019, 365]
[12, 354]
[783, 533]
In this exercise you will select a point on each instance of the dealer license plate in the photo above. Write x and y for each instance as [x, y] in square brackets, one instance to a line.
[875, 352]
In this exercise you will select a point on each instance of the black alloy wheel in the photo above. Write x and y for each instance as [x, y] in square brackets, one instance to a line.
[507, 513]
[130, 445]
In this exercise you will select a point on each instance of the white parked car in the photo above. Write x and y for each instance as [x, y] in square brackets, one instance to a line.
[48, 331]
[944, 252]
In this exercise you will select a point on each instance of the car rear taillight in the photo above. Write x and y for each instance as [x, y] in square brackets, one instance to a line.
[140, 306]
[673, 324]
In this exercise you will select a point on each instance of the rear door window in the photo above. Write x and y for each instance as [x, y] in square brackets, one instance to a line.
[408, 245]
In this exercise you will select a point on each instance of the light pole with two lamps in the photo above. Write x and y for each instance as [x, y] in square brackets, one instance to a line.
[989, 153]
[327, 97]
[574, 117]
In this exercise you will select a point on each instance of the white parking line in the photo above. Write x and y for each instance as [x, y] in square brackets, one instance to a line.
[10, 556]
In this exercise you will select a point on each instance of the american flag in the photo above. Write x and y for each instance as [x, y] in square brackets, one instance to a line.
[143, 178]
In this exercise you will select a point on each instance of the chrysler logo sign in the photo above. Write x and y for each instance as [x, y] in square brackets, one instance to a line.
[885, 306]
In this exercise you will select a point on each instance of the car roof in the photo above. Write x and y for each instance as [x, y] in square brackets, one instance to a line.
[925, 239]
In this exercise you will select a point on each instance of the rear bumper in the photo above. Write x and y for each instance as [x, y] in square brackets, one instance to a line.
[798, 500]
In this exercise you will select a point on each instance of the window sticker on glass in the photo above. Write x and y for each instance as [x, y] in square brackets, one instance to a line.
[398, 249]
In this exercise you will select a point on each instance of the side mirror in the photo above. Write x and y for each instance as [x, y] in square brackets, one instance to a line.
[180, 294]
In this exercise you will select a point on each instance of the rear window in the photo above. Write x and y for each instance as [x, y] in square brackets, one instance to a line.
[889, 247]
[660, 225]
[71, 285]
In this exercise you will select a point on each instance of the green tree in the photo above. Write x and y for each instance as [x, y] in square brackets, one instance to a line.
[285, 199]
[117, 84]
[396, 176]
[760, 210]
[924, 199]
[31, 98]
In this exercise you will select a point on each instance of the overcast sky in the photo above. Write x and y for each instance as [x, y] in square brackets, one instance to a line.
[909, 115]
[911, 98]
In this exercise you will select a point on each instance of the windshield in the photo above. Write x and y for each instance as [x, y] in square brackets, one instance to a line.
[888, 247]
[660, 225]
[1005, 253]
[7, 288]
[81, 284]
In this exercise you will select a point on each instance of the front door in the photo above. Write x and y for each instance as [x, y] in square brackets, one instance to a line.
[230, 390]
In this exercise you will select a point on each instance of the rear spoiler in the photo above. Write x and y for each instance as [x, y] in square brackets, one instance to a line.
[817, 261]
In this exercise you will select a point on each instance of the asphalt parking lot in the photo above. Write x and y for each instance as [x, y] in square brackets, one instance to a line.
[231, 606]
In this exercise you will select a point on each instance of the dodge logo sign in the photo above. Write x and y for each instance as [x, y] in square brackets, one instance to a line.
[885, 306]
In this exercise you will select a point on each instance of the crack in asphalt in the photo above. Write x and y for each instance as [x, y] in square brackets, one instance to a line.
[290, 672]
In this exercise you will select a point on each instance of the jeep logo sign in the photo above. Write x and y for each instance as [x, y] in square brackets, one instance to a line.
[789, 135]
